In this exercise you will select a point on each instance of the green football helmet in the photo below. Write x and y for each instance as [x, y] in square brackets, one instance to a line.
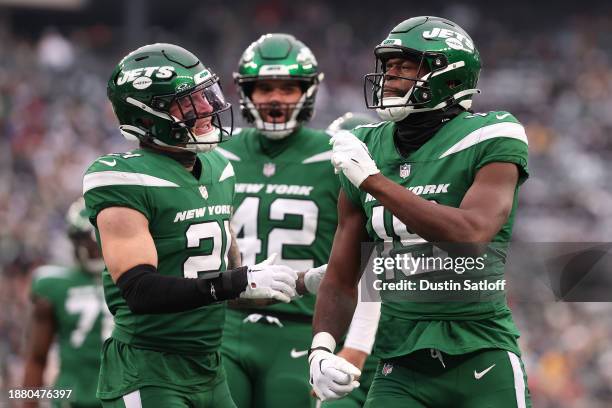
[163, 94]
[349, 121]
[440, 46]
[278, 56]
[83, 237]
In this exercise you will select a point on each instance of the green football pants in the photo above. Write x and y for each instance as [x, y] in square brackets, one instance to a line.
[155, 397]
[490, 378]
[265, 358]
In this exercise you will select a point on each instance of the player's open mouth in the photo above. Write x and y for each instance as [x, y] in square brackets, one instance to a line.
[202, 129]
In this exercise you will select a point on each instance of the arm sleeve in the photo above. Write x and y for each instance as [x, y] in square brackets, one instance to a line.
[362, 332]
[148, 292]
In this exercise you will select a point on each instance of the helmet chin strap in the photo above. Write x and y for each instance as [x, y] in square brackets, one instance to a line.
[398, 113]
[204, 142]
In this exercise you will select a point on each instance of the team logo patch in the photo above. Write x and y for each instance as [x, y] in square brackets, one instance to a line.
[269, 169]
[404, 170]
[392, 41]
[387, 368]
[201, 76]
[204, 192]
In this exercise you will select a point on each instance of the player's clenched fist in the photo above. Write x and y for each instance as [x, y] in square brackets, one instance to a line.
[331, 377]
[269, 281]
[351, 157]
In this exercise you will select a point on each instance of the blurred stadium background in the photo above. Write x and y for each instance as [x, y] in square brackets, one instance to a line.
[550, 65]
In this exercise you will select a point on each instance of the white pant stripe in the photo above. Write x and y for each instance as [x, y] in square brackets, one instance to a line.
[519, 380]
[132, 400]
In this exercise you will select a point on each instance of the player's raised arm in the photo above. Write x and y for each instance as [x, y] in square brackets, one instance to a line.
[483, 210]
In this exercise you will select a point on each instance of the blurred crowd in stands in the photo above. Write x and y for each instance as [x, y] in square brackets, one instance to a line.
[556, 78]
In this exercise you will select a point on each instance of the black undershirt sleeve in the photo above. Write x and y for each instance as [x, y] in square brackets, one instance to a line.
[146, 291]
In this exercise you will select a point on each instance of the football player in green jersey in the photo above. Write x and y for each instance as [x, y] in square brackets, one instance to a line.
[431, 172]
[286, 196]
[162, 213]
[69, 308]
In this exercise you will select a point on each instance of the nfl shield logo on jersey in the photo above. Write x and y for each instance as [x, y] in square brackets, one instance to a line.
[269, 169]
[204, 192]
[404, 170]
[387, 368]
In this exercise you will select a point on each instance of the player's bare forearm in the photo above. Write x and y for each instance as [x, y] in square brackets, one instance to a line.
[483, 211]
[334, 308]
[354, 356]
[300, 285]
[337, 295]
[233, 256]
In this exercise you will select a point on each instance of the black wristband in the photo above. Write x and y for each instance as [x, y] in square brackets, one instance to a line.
[228, 285]
[148, 292]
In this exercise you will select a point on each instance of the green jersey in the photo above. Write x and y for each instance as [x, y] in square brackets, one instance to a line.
[443, 170]
[83, 322]
[286, 198]
[189, 222]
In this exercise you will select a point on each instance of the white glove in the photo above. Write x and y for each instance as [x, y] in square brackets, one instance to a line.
[268, 281]
[351, 156]
[331, 377]
[313, 278]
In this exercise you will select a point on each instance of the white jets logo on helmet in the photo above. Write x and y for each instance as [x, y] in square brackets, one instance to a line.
[453, 39]
[145, 72]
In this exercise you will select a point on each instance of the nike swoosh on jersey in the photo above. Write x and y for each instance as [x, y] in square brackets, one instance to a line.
[504, 116]
[298, 354]
[481, 374]
[109, 163]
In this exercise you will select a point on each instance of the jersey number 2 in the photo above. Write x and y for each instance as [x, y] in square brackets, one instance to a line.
[206, 263]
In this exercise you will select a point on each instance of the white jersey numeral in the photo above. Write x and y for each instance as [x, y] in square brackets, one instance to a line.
[206, 263]
[399, 228]
[86, 302]
[280, 208]
[245, 221]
